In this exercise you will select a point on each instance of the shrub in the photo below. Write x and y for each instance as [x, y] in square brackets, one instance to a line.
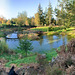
[2, 34]
[25, 45]
[41, 59]
[54, 70]
[3, 47]
[71, 46]
[51, 28]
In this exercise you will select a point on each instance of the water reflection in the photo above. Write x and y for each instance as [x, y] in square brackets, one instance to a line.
[45, 43]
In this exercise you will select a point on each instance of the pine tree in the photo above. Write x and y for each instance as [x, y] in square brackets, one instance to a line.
[45, 17]
[48, 14]
[65, 12]
[41, 17]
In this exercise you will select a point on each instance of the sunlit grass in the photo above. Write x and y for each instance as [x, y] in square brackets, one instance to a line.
[1, 34]
[26, 60]
[45, 28]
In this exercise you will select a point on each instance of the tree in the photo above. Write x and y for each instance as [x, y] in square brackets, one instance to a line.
[48, 14]
[41, 17]
[53, 21]
[65, 12]
[29, 21]
[25, 45]
[22, 17]
[32, 21]
[37, 19]
[2, 20]
[45, 17]
[8, 22]
[14, 21]
[26, 22]
[70, 8]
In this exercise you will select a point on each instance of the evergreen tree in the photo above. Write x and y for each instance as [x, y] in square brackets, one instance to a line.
[48, 14]
[41, 17]
[70, 8]
[65, 12]
[45, 17]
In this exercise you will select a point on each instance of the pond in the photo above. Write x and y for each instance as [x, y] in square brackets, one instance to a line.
[45, 42]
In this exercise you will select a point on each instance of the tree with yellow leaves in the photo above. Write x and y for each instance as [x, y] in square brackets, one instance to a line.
[8, 22]
[37, 19]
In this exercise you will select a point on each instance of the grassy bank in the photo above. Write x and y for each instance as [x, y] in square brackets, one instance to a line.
[57, 30]
[44, 29]
[1, 34]
[68, 31]
[18, 57]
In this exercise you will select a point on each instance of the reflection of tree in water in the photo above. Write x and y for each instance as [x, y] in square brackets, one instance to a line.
[50, 38]
[64, 42]
[41, 40]
[65, 39]
[53, 38]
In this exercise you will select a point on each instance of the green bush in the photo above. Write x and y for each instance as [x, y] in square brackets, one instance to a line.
[2, 34]
[25, 45]
[54, 70]
[3, 47]
[51, 28]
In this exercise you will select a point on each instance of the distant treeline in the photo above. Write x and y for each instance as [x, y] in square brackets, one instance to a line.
[16, 26]
[64, 12]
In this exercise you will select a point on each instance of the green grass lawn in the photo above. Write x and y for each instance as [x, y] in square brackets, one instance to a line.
[56, 30]
[26, 60]
[68, 31]
[14, 58]
[31, 58]
[45, 29]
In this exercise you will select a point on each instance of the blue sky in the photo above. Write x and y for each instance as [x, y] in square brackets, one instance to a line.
[10, 8]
